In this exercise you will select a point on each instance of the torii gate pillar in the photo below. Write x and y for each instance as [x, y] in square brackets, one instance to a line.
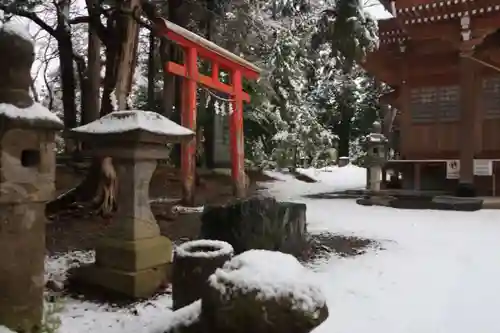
[195, 46]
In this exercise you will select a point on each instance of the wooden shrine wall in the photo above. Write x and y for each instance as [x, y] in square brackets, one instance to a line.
[431, 129]
[490, 99]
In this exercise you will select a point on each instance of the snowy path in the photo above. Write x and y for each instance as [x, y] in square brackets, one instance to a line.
[438, 273]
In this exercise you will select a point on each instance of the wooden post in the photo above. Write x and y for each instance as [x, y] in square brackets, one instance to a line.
[493, 184]
[404, 102]
[417, 176]
[467, 117]
[383, 183]
[236, 134]
[215, 72]
[188, 119]
[467, 121]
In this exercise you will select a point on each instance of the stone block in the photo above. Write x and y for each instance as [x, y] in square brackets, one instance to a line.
[293, 215]
[257, 223]
[135, 284]
[457, 203]
[133, 255]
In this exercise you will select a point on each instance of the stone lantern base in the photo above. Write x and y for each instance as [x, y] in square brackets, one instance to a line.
[133, 258]
[131, 268]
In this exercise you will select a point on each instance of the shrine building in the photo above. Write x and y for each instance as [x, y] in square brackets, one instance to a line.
[442, 61]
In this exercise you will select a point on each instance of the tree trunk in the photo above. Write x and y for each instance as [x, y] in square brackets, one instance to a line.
[344, 133]
[151, 72]
[92, 85]
[177, 15]
[169, 92]
[65, 48]
[209, 110]
[121, 49]
[128, 30]
[84, 192]
[209, 134]
[123, 57]
[90, 89]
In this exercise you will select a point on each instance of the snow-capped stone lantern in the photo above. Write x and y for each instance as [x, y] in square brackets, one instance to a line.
[133, 258]
[27, 182]
[375, 156]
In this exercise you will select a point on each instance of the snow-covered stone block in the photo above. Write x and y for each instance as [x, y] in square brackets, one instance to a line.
[266, 292]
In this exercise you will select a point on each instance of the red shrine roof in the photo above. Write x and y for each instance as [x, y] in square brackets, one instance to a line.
[405, 7]
[428, 35]
[410, 14]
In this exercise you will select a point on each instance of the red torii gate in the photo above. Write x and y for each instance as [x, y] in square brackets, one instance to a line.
[195, 46]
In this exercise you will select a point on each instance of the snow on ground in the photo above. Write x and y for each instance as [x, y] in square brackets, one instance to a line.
[437, 273]
[328, 179]
[79, 316]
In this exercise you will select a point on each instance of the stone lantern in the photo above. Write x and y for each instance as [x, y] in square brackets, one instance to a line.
[27, 177]
[133, 257]
[375, 159]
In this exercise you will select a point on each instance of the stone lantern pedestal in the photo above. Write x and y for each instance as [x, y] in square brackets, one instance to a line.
[133, 257]
[27, 175]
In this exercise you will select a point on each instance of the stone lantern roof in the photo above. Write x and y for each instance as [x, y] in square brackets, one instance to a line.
[17, 108]
[34, 116]
[132, 122]
[376, 135]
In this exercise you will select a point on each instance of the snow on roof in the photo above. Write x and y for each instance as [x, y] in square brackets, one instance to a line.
[376, 137]
[189, 249]
[32, 113]
[272, 275]
[130, 120]
[17, 28]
